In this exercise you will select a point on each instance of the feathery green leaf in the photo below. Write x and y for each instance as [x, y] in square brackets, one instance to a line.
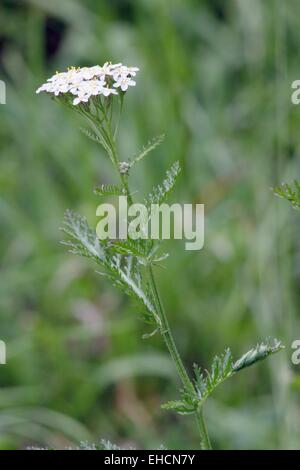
[123, 271]
[286, 191]
[260, 352]
[222, 368]
[151, 145]
[160, 193]
[180, 406]
[109, 190]
[91, 135]
[84, 240]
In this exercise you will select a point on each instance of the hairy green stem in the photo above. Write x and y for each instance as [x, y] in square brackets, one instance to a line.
[164, 328]
[170, 343]
[167, 335]
[205, 441]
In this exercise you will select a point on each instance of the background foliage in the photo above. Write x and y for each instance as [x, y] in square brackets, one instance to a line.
[215, 77]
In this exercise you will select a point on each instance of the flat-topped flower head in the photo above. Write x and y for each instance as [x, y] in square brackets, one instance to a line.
[84, 83]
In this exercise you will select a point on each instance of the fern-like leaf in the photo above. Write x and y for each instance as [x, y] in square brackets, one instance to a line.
[151, 145]
[109, 190]
[161, 192]
[222, 368]
[104, 444]
[260, 352]
[123, 271]
[83, 241]
[181, 407]
[291, 194]
[91, 135]
[130, 248]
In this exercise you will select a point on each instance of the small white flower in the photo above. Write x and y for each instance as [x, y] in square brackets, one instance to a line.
[88, 73]
[71, 76]
[124, 83]
[92, 87]
[81, 98]
[122, 71]
[110, 68]
[133, 71]
[51, 87]
[44, 87]
[109, 91]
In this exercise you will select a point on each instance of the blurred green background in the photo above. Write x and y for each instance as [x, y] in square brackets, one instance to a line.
[216, 78]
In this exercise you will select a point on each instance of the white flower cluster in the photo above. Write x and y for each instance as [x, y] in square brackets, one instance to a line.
[86, 82]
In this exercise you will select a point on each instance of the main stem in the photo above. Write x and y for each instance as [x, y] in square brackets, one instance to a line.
[170, 343]
[165, 328]
[204, 437]
[167, 335]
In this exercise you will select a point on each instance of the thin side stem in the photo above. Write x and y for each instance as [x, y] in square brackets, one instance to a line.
[116, 159]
